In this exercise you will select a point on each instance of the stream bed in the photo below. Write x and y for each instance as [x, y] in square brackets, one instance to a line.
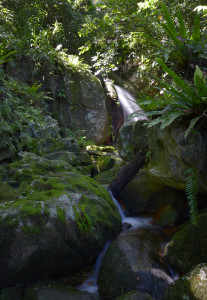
[158, 275]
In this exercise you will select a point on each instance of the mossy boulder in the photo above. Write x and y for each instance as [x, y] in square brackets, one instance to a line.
[53, 220]
[57, 293]
[170, 154]
[79, 98]
[104, 163]
[188, 246]
[73, 158]
[192, 286]
[133, 136]
[135, 295]
[132, 263]
[145, 193]
[107, 177]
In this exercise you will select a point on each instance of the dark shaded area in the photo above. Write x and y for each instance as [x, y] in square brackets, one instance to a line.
[128, 172]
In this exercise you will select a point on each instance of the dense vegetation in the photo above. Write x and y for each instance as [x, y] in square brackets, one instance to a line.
[164, 40]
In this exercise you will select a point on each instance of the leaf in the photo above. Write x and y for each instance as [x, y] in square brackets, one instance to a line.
[196, 29]
[181, 22]
[169, 118]
[200, 82]
[179, 82]
[192, 124]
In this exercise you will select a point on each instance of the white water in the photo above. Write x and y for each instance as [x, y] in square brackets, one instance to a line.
[135, 222]
[90, 284]
[128, 104]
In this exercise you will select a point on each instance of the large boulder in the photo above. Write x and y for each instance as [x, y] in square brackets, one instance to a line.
[188, 246]
[79, 99]
[132, 263]
[53, 220]
[170, 154]
[192, 286]
[146, 194]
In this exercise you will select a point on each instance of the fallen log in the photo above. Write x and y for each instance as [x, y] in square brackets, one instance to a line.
[128, 172]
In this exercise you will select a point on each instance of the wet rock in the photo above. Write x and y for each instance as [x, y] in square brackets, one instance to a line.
[188, 246]
[135, 296]
[191, 286]
[52, 293]
[53, 220]
[125, 226]
[144, 193]
[170, 154]
[133, 137]
[104, 163]
[132, 263]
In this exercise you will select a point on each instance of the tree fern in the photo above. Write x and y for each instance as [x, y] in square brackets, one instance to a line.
[192, 193]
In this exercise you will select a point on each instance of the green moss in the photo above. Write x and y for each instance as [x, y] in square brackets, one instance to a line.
[188, 246]
[31, 230]
[104, 163]
[61, 214]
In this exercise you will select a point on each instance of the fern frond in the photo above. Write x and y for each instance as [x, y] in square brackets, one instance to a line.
[170, 27]
[192, 193]
[196, 29]
[181, 22]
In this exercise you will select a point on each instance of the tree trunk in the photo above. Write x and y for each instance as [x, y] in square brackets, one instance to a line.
[128, 172]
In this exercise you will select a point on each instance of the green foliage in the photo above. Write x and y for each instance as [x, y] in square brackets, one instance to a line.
[189, 48]
[181, 99]
[192, 193]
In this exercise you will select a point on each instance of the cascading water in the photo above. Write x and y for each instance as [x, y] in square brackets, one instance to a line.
[135, 222]
[128, 103]
[90, 284]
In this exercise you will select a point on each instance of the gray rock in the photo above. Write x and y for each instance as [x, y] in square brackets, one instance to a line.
[53, 220]
[132, 263]
[191, 286]
[188, 246]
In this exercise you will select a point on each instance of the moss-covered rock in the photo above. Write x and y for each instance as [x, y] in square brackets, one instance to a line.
[53, 220]
[170, 153]
[73, 158]
[188, 246]
[104, 163]
[192, 286]
[57, 293]
[145, 193]
[106, 177]
[133, 137]
[132, 263]
[135, 295]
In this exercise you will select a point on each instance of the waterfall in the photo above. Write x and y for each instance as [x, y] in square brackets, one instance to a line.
[128, 103]
[135, 222]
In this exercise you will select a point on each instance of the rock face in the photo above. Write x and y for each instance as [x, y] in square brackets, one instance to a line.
[79, 99]
[132, 263]
[169, 155]
[53, 220]
[188, 246]
[191, 286]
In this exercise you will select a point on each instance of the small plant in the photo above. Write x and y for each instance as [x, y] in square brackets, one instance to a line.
[180, 100]
[192, 193]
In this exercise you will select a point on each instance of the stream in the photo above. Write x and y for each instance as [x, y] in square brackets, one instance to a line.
[90, 284]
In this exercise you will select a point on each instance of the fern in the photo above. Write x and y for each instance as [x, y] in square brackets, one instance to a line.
[192, 193]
